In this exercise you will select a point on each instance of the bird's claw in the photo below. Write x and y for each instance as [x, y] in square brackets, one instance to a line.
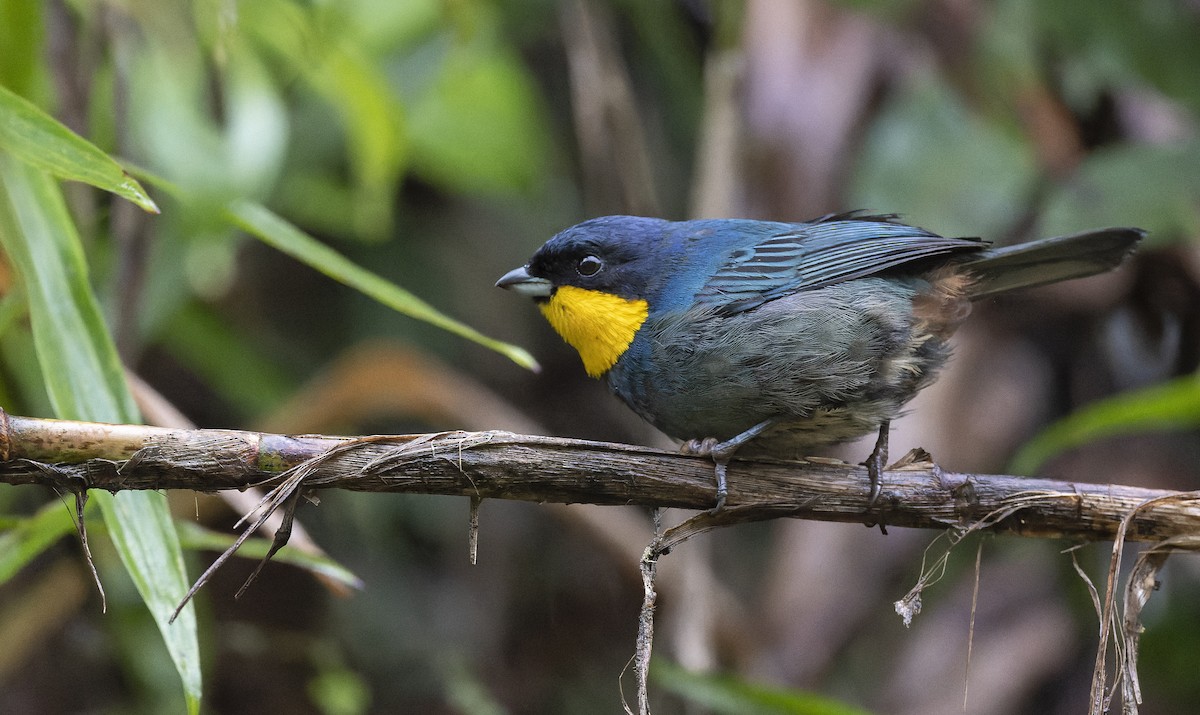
[875, 465]
[699, 447]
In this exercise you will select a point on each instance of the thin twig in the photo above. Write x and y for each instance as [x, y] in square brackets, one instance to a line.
[473, 531]
[1101, 697]
[971, 626]
[645, 636]
[81, 498]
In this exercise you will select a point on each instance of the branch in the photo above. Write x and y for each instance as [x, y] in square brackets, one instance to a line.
[501, 465]
[76, 456]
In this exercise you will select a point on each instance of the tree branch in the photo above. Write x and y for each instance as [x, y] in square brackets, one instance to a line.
[501, 465]
[76, 456]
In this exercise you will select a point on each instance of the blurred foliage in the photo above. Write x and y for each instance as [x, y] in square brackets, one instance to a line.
[24, 538]
[196, 537]
[734, 696]
[1111, 188]
[433, 144]
[212, 161]
[1173, 405]
[984, 173]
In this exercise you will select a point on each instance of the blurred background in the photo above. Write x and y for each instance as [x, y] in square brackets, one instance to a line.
[439, 143]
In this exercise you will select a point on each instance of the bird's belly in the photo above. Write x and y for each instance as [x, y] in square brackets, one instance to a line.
[830, 365]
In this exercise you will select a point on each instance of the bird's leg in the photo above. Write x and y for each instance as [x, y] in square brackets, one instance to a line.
[722, 452]
[875, 464]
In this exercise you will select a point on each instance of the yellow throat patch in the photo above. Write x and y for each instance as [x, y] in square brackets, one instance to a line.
[598, 325]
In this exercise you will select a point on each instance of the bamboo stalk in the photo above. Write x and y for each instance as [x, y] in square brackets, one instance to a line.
[501, 465]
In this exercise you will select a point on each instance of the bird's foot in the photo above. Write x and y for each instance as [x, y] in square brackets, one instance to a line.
[700, 447]
[721, 453]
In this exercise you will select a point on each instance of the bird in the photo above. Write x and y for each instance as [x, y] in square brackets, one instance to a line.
[774, 339]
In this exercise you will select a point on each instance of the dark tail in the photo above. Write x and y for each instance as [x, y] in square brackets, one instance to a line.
[1050, 260]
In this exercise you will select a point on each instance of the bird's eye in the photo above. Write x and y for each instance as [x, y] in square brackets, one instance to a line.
[589, 266]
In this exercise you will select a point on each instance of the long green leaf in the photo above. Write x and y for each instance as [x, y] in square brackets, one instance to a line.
[1171, 405]
[259, 221]
[270, 228]
[82, 373]
[36, 138]
[33, 535]
[85, 381]
[725, 694]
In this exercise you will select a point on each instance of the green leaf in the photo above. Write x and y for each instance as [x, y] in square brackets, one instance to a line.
[275, 231]
[726, 694]
[953, 172]
[377, 143]
[1150, 186]
[1173, 405]
[142, 530]
[259, 221]
[33, 535]
[194, 536]
[83, 375]
[85, 381]
[35, 137]
[479, 127]
[351, 82]
[22, 33]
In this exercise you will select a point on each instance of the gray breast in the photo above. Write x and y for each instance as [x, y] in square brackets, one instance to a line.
[832, 363]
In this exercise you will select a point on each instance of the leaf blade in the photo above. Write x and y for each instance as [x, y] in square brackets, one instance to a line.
[273, 230]
[31, 536]
[1170, 405]
[38, 139]
[726, 694]
[85, 380]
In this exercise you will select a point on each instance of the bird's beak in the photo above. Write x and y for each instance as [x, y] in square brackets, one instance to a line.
[520, 281]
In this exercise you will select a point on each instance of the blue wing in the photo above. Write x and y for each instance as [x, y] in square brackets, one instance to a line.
[812, 255]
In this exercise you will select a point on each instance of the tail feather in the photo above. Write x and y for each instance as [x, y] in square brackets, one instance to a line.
[1050, 260]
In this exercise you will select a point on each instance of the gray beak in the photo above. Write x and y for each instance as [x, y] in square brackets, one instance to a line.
[520, 281]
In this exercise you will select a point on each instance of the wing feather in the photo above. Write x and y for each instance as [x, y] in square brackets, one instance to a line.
[818, 254]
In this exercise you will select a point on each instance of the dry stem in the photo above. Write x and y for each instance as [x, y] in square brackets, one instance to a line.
[76, 456]
[501, 465]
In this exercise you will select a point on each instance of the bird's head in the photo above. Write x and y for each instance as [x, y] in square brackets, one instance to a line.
[595, 282]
